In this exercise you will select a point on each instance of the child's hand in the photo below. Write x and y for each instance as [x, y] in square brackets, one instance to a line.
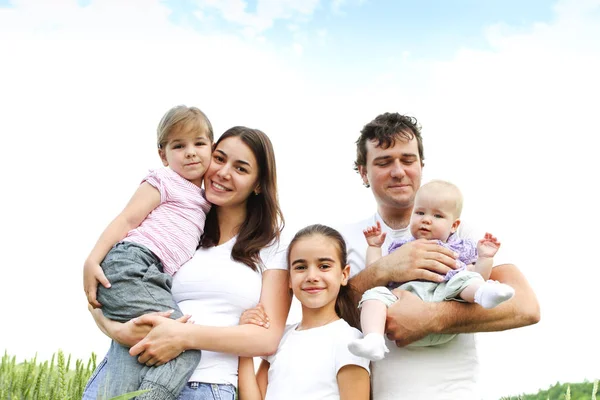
[256, 316]
[92, 275]
[374, 236]
[488, 246]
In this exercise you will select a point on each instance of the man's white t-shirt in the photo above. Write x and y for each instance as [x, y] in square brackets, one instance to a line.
[449, 371]
[215, 290]
[306, 363]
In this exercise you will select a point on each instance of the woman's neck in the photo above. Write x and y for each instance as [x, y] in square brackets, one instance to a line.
[230, 220]
[316, 317]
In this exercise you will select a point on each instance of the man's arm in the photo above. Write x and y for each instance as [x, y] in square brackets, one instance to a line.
[410, 319]
[419, 259]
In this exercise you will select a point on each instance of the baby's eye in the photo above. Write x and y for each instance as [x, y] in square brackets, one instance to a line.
[438, 216]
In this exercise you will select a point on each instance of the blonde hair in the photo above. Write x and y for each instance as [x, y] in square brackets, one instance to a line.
[182, 117]
[439, 186]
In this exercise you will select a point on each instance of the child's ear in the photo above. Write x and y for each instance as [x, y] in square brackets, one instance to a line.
[455, 226]
[163, 157]
[345, 274]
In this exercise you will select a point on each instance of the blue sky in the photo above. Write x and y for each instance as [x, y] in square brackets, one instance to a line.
[423, 28]
[381, 34]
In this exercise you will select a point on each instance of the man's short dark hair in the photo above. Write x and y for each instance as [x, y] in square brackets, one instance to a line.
[386, 129]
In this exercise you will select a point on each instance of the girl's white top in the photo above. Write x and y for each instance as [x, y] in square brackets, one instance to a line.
[215, 290]
[307, 362]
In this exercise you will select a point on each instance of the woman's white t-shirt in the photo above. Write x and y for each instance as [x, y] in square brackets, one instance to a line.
[215, 290]
[306, 363]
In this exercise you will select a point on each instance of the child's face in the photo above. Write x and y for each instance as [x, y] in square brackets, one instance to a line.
[187, 152]
[316, 273]
[433, 215]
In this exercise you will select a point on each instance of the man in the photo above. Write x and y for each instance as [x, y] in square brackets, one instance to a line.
[390, 161]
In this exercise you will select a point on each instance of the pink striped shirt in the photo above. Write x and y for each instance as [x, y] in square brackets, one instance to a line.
[172, 230]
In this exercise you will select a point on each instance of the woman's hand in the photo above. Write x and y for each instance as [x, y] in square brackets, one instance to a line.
[256, 316]
[164, 342]
[127, 333]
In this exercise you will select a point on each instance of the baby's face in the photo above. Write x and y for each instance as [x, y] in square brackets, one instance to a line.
[433, 216]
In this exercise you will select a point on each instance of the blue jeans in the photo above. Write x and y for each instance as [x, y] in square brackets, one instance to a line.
[139, 286]
[95, 388]
[207, 391]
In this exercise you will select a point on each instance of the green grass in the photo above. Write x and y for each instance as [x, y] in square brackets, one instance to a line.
[566, 391]
[54, 380]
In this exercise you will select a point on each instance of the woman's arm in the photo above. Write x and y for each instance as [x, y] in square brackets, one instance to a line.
[252, 386]
[144, 200]
[129, 333]
[410, 319]
[167, 339]
[353, 382]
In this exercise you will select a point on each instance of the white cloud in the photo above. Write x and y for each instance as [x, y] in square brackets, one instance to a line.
[265, 15]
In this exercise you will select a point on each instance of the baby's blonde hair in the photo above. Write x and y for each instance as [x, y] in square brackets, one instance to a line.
[180, 117]
[439, 186]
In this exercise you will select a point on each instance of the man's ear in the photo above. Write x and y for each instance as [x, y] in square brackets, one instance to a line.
[345, 274]
[163, 157]
[362, 170]
[455, 225]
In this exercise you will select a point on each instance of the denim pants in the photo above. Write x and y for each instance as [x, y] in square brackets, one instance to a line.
[139, 286]
[191, 391]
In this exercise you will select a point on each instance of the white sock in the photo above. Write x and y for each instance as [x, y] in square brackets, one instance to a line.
[371, 347]
[493, 293]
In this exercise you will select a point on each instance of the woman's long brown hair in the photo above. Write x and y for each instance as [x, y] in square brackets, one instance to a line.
[264, 220]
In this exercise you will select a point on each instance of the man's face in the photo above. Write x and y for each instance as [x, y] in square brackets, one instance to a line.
[394, 174]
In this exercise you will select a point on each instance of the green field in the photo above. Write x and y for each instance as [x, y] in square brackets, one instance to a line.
[58, 380]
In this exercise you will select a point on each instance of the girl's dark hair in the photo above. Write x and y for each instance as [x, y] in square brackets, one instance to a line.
[264, 220]
[344, 306]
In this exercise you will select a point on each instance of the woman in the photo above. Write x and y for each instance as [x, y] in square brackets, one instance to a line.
[238, 264]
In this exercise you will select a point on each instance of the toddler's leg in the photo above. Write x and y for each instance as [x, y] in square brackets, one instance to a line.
[137, 284]
[488, 294]
[372, 320]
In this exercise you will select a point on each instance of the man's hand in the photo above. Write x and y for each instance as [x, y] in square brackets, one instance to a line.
[92, 275]
[488, 246]
[409, 319]
[420, 259]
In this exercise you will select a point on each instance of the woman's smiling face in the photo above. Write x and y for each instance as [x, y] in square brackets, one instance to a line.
[232, 175]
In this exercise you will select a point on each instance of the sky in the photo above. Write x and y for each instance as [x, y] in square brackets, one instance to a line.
[506, 93]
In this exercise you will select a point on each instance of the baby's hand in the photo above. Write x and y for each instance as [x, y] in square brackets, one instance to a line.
[92, 275]
[488, 246]
[374, 236]
[256, 316]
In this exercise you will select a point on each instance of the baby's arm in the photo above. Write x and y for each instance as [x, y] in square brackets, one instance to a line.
[253, 386]
[486, 250]
[143, 201]
[375, 239]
